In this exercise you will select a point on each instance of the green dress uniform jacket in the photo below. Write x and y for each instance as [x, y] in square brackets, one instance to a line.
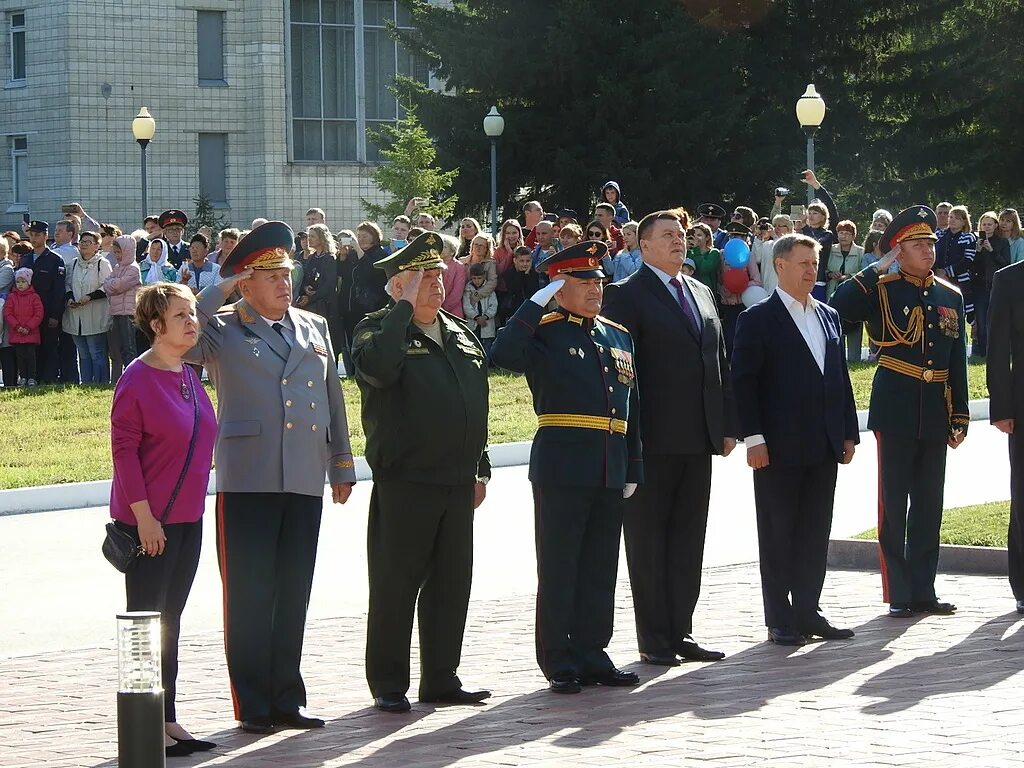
[424, 408]
[920, 387]
[583, 369]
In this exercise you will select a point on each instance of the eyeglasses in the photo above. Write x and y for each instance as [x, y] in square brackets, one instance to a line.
[737, 215]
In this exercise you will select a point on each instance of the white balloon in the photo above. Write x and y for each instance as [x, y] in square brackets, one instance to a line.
[753, 294]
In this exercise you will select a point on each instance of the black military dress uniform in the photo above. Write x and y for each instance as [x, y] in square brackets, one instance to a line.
[918, 401]
[587, 448]
[424, 411]
[176, 254]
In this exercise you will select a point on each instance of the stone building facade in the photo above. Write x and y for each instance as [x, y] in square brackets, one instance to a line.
[262, 105]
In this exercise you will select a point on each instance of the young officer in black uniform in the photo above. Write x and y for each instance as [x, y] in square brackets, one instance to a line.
[423, 377]
[586, 458]
[918, 401]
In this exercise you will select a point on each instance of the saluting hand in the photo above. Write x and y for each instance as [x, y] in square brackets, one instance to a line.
[340, 492]
[228, 284]
[757, 456]
[408, 284]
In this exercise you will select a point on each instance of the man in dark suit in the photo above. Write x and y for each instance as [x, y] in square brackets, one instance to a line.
[1006, 400]
[797, 413]
[48, 280]
[686, 415]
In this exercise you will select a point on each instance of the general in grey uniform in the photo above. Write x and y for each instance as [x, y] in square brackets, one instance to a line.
[282, 428]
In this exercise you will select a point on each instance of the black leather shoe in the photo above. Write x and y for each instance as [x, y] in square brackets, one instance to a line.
[688, 649]
[824, 629]
[614, 678]
[659, 659]
[197, 745]
[392, 702]
[458, 696]
[300, 719]
[178, 749]
[1020, 606]
[934, 606]
[782, 636]
[262, 725]
[900, 611]
[564, 684]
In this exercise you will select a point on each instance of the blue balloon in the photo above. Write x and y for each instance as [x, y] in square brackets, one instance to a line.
[737, 253]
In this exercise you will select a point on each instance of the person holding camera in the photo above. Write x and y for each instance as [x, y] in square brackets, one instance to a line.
[993, 254]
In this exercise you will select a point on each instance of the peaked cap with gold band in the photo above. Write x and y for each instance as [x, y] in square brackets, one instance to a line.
[582, 260]
[422, 253]
[916, 223]
[269, 246]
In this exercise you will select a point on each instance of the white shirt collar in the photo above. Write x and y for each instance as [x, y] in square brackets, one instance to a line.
[788, 301]
[664, 276]
[284, 321]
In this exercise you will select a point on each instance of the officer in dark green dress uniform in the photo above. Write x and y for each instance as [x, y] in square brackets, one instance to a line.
[423, 378]
[918, 401]
[586, 457]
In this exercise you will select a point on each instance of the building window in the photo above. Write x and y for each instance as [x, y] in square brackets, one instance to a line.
[19, 170]
[213, 168]
[210, 33]
[17, 46]
[343, 62]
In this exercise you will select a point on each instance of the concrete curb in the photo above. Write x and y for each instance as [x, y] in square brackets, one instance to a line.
[44, 498]
[862, 555]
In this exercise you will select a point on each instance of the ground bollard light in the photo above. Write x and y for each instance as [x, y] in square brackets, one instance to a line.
[140, 693]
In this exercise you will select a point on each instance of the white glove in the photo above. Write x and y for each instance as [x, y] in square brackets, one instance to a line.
[629, 490]
[545, 294]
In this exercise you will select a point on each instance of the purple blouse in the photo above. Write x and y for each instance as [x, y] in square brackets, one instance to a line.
[150, 429]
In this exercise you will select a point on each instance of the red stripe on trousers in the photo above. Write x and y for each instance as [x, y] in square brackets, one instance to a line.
[881, 520]
[222, 551]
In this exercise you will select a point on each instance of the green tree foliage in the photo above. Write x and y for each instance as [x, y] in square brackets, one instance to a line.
[410, 172]
[689, 100]
[205, 216]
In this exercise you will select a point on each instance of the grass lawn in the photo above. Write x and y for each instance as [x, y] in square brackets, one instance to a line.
[980, 525]
[62, 434]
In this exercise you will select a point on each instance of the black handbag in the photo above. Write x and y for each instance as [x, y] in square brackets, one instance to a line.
[122, 548]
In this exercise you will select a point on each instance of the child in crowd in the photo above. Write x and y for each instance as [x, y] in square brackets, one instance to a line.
[521, 283]
[689, 267]
[481, 251]
[399, 234]
[570, 234]
[480, 307]
[23, 314]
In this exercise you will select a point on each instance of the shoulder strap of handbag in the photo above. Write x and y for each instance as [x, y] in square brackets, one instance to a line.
[191, 445]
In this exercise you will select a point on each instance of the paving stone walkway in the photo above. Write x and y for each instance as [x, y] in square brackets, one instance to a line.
[936, 691]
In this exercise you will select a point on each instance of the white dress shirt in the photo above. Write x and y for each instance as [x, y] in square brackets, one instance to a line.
[286, 325]
[665, 277]
[809, 325]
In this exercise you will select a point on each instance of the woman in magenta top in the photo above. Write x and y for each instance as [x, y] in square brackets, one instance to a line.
[151, 428]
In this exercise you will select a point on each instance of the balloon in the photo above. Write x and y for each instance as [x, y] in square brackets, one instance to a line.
[754, 294]
[735, 280]
[737, 253]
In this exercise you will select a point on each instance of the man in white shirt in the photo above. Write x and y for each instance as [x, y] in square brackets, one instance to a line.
[199, 271]
[64, 236]
[797, 413]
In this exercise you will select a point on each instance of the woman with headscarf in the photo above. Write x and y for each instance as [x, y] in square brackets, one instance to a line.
[121, 287]
[155, 267]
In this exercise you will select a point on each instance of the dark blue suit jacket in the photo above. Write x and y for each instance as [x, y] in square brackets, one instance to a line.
[804, 415]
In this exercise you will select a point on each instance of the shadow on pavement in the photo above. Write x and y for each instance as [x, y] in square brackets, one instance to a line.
[985, 657]
[740, 684]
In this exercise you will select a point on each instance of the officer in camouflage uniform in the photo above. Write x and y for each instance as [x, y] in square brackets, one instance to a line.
[423, 378]
[918, 401]
[586, 457]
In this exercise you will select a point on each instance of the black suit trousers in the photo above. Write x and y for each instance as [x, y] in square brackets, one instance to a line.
[794, 518]
[664, 526]
[577, 532]
[266, 548]
[420, 548]
[1016, 534]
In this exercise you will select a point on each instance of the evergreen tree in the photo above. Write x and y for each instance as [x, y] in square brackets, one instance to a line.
[409, 171]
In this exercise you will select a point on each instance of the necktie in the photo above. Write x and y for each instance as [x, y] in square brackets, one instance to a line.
[685, 306]
[280, 329]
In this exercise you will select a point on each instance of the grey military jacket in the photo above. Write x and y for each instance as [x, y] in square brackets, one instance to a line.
[280, 410]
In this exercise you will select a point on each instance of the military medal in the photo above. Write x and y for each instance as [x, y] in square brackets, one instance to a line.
[949, 322]
[572, 351]
[906, 311]
[417, 343]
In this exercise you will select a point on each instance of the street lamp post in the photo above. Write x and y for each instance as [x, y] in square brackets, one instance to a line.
[494, 126]
[143, 128]
[810, 111]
